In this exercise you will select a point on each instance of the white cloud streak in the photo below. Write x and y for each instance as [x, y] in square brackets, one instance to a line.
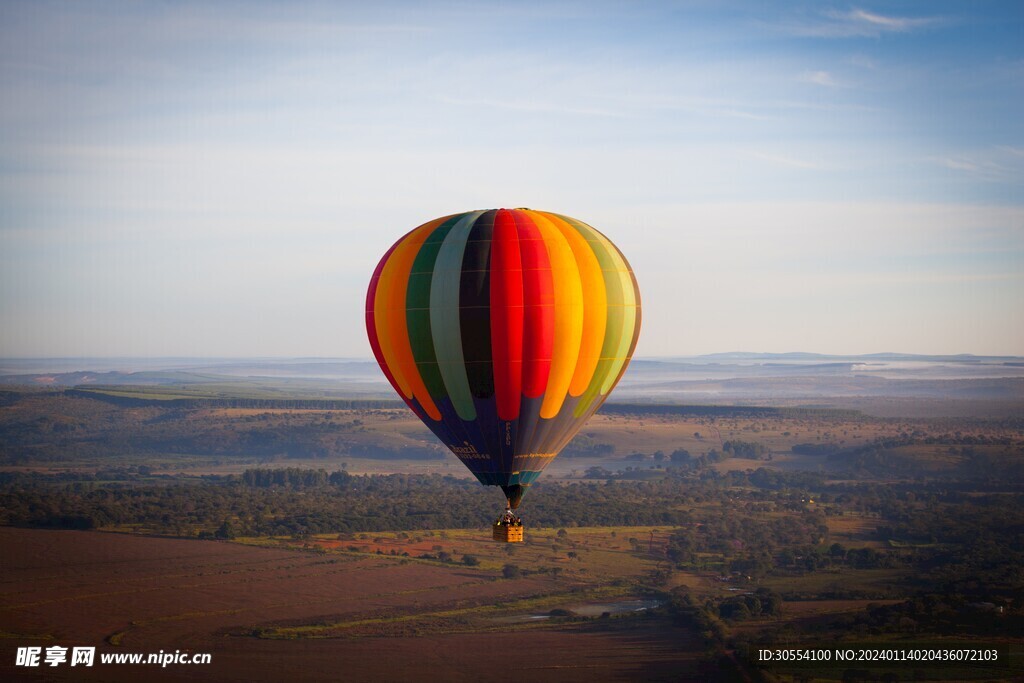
[823, 78]
[859, 16]
[856, 23]
[998, 164]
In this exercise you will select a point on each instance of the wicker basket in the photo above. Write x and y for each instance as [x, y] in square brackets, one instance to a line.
[508, 533]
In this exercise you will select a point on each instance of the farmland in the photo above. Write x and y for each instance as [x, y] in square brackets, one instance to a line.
[300, 539]
[270, 613]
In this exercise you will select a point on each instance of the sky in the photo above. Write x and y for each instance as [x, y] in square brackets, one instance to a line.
[221, 178]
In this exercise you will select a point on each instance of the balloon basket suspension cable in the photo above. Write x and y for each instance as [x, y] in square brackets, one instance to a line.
[509, 527]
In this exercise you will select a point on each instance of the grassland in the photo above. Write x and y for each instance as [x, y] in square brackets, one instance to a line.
[82, 430]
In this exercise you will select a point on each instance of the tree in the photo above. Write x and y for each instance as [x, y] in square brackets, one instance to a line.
[680, 456]
[511, 571]
[734, 608]
[225, 531]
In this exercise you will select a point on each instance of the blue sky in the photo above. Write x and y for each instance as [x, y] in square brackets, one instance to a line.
[214, 179]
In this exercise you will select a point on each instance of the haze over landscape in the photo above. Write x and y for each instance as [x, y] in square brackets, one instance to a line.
[862, 382]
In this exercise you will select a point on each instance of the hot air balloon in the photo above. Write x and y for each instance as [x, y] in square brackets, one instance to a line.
[504, 331]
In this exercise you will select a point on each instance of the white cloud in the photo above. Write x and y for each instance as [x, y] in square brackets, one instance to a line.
[958, 164]
[997, 164]
[819, 78]
[859, 16]
[785, 160]
[856, 23]
[529, 106]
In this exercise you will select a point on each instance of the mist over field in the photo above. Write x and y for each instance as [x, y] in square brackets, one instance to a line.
[877, 383]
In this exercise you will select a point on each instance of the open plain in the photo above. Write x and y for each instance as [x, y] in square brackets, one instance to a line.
[312, 537]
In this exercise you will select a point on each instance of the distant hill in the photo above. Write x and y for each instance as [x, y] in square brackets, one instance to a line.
[888, 356]
[731, 377]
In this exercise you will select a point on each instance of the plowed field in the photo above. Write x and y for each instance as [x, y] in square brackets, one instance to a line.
[280, 614]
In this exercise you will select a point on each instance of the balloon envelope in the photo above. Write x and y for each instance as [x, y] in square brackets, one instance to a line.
[504, 331]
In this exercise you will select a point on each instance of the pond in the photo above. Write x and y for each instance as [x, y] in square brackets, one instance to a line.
[618, 607]
[592, 609]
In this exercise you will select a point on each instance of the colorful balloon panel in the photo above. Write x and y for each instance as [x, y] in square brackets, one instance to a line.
[504, 331]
